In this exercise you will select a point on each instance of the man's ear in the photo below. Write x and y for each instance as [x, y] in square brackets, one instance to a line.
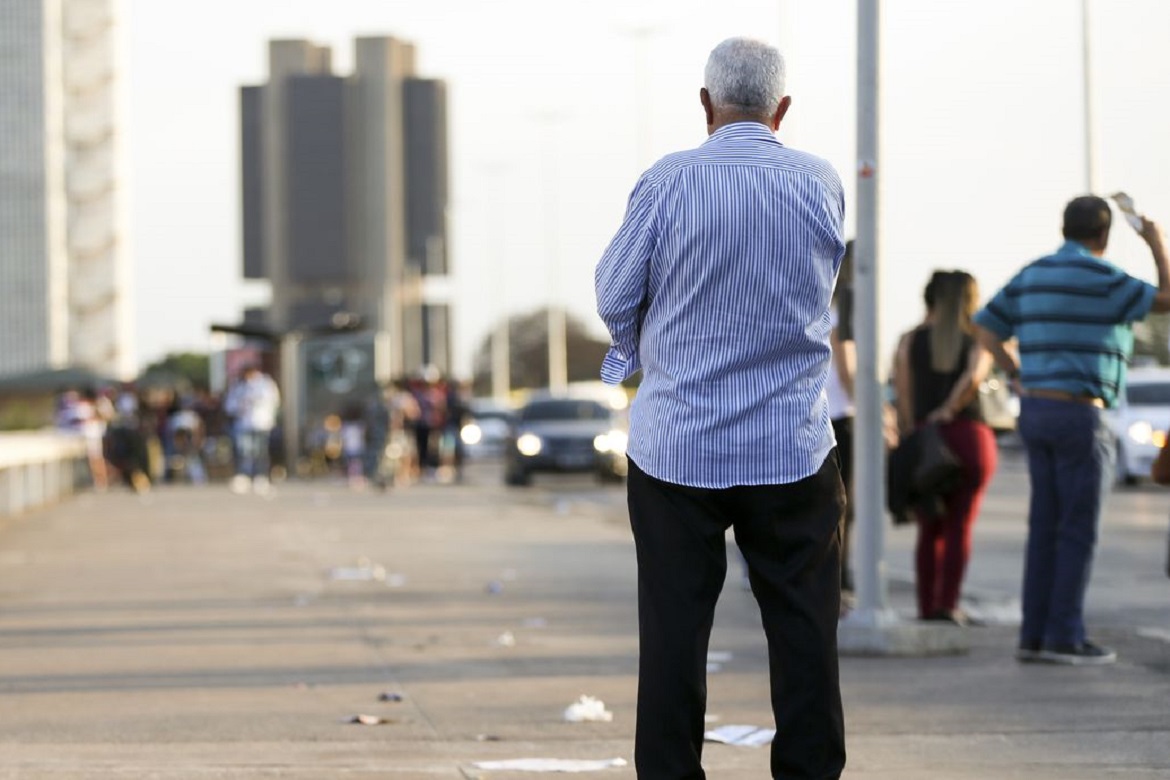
[781, 110]
[705, 99]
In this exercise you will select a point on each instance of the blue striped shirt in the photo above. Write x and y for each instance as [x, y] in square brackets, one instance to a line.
[717, 286]
[1071, 314]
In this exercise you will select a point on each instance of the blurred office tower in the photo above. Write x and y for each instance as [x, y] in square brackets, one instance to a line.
[344, 194]
[65, 274]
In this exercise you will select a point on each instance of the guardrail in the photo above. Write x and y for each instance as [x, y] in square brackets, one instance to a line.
[39, 468]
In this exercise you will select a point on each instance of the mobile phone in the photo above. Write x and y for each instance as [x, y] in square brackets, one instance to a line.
[1125, 203]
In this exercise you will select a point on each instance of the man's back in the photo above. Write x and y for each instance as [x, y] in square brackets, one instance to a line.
[734, 340]
[1070, 313]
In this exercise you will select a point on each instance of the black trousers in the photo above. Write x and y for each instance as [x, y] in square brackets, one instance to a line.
[843, 429]
[790, 536]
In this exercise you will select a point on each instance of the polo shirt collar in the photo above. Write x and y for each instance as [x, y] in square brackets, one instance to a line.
[1076, 248]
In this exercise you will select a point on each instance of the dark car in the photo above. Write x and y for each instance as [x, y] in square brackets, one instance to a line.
[565, 435]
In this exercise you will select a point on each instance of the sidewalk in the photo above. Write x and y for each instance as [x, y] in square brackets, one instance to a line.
[197, 634]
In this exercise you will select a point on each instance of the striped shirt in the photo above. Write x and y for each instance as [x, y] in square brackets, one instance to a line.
[717, 286]
[1072, 315]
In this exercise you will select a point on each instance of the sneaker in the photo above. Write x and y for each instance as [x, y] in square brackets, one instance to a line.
[261, 486]
[1029, 652]
[1084, 654]
[240, 484]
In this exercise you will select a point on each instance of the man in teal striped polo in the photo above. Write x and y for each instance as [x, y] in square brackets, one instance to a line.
[1071, 316]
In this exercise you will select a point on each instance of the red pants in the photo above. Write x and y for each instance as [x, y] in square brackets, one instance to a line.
[944, 543]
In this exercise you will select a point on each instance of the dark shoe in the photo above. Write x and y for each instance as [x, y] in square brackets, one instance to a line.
[1028, 653]
[1084, 654]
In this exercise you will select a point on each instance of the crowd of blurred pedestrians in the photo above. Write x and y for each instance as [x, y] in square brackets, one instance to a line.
[407, 431]
[144, 435]
[404, 432]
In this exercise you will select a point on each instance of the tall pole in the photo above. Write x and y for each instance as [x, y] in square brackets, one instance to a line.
[558, 362]
[872, 627]
[869, 453]
[1087, 89]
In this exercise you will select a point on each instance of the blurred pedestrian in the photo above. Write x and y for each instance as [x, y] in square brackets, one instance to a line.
[840, 395]
[456, 413]
[404, 418]
[89, 414]
[72, 417]
[376, 419]
[421, 425]
[186, 433]
[1071, 316]
[252, 402]
[717, 286]
[937, 374]
[353, 445]
[126, 444]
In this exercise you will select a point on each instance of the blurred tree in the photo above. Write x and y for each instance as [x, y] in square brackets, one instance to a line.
[528, 351]
[179, 369]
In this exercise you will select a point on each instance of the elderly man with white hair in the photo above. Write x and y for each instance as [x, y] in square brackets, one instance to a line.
[717, 286]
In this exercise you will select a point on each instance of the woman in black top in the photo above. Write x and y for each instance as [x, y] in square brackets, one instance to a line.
[938, 371]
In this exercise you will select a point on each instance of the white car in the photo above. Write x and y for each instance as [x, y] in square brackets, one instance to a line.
[1140, 422]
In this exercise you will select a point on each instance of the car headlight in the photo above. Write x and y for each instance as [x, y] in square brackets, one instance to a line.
[529, 444]
[1141, 433]
[471, 434]
[614, 441]
[1158, 439]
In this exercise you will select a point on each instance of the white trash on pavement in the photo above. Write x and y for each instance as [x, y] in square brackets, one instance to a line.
[744, 736]
[552, 764]
[364, 571]
[587, 708]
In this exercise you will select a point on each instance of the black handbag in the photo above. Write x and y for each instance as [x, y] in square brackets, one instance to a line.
[920, 473]
[938, 471]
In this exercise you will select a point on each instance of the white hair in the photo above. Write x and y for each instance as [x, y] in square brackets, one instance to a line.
[745, 74]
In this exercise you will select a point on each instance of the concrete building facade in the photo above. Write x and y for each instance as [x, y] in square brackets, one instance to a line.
[65, 273]
[344, 185]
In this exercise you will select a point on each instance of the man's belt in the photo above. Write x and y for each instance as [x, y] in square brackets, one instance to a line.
[1061, 395]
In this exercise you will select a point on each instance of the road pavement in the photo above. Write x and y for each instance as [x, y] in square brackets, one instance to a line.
[193, 633]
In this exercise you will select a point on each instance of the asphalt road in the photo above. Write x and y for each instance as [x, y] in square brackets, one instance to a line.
[198, 634]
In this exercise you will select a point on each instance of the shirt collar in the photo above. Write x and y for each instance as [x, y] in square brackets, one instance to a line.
[1076, 248]
[745, 130]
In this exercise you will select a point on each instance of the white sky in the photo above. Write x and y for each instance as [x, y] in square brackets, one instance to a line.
[982, 133]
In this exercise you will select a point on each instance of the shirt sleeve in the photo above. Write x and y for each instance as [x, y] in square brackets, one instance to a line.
[1135, 298]
[622, 280]
[1000, 315]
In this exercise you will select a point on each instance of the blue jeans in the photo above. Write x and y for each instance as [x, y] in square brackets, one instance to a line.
[1071, 460]
[252, 452]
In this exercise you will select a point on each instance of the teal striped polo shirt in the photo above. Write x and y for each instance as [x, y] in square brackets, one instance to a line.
[1072, 315]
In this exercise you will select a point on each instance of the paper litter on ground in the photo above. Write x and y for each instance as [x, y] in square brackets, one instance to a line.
[363, 572]
[368, 720]
[552, 764]
[587, 708]
[746, 736]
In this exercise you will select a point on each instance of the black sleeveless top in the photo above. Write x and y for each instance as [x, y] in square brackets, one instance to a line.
[931, 388]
